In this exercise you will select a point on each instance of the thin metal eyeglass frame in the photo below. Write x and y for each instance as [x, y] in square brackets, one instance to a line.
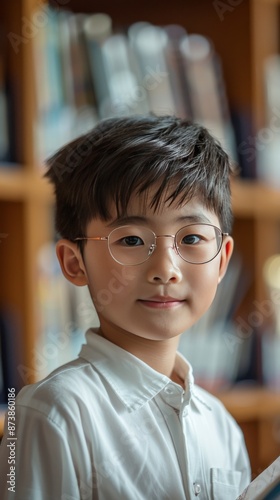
[153, 246]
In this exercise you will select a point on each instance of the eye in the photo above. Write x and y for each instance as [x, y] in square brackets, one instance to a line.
[131, 241]
[190, 239]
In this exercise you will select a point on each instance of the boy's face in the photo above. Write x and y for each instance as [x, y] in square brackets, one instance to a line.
[163, 296]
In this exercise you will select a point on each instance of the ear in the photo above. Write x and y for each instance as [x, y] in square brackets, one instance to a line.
[226, 254]
[71, 262]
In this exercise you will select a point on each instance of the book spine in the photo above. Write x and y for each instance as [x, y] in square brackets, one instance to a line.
[206, 87]
[97, 28]
[150, 46]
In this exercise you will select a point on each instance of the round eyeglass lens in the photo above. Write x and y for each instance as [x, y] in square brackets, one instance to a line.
[131, 245]
[199, 243]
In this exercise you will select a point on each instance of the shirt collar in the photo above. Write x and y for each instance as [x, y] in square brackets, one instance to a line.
[133, 381]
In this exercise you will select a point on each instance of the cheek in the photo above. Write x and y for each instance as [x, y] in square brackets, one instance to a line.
[204, 282]
[110, 286]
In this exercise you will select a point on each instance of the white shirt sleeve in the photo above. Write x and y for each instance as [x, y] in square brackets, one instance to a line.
[44, 462]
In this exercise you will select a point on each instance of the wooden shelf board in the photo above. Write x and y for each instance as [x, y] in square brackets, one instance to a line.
[18, 185]
[255, 199]
[249, 404]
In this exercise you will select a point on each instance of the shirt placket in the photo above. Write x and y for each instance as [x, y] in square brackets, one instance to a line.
[198, 489]
[171, 404]
[176, 412]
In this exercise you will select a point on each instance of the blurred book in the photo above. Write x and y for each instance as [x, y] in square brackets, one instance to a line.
[206, 88]
[52, 117]
[97, 28]
[149, 43]
[4, 136]
[270, 335]
[271, 81]
[8, 150]
[76, 74]
[123, 98]
[268, 138]
[13, 110]
[65, 104]
[176, 34]
[271, 275]
[270, 356]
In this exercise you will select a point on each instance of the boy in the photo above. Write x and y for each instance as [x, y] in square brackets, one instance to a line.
[143, 211]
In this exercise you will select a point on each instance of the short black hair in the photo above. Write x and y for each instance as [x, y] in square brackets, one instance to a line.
[126, 156]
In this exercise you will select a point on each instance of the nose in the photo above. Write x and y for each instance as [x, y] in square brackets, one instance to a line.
[164, 264]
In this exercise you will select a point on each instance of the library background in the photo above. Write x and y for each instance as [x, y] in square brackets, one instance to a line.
[66, 64]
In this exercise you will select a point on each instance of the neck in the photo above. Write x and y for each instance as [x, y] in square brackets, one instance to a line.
[158, 354]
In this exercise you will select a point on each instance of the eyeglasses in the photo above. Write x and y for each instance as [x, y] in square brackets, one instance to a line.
[132, 245]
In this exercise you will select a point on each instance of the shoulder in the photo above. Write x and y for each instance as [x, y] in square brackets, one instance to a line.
[61, 394]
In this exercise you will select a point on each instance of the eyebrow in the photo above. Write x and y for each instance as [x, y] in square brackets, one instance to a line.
[139, 219]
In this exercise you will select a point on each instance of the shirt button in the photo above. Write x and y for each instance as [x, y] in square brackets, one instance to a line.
[185, 412]
[197, 489]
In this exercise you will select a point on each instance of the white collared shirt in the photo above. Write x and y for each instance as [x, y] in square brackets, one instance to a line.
[107, 426]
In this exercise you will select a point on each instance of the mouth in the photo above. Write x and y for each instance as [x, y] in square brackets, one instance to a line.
[161, 302]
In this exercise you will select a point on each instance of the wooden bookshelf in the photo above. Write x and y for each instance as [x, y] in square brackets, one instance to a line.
[247, 34]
